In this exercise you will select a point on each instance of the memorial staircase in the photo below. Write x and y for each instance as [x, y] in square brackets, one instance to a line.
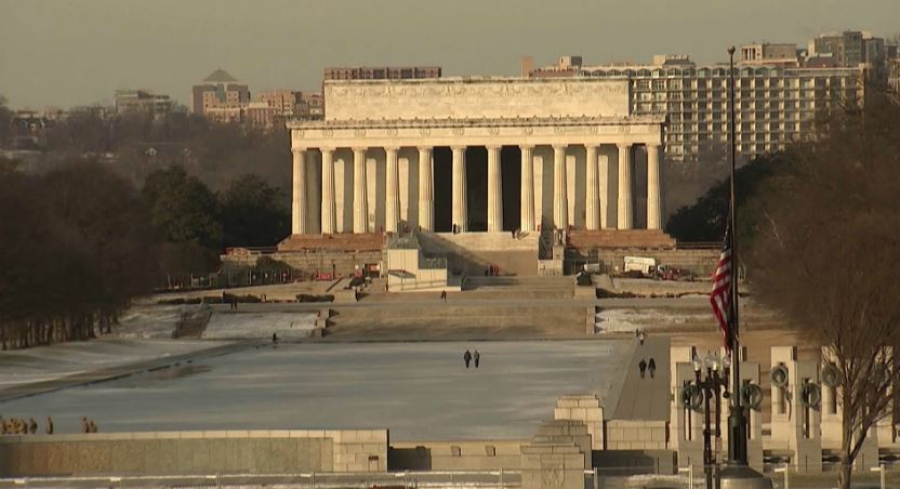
[487, 308]
[472, 253]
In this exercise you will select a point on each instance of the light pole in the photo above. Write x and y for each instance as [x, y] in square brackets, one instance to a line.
[710, 386]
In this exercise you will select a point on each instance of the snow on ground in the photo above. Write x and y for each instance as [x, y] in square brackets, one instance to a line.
[249, 325]
[150, 321]
[629, 320]
[55, 361]
[417, 390]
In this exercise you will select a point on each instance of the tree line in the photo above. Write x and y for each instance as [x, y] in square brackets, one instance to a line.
[79, 242]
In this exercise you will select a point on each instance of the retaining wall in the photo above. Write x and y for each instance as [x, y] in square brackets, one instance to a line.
[194, 453]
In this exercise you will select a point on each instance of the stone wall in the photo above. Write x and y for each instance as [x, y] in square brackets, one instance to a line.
[636, 435]
[584, 408]
[194, 453]
[345, 262]
[456, 455]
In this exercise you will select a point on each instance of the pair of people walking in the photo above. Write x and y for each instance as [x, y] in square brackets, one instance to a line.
[646, 367]
[468, 357]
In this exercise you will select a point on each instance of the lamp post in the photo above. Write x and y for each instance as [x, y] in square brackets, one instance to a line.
[714, 386]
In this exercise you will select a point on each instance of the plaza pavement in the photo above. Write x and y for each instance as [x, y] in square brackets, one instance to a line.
[646, 398]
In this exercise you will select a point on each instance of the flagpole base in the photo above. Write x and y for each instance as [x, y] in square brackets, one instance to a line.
[743, 477]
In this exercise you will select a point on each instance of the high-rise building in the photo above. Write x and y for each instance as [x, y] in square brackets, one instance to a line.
[855, 48]
[381, 72]
[219, 93]
[775, 104]
[142, 101]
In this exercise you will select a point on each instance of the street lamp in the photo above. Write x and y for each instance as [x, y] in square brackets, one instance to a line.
[714, 386]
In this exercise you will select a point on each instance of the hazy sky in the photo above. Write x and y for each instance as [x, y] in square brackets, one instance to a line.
[71, 52]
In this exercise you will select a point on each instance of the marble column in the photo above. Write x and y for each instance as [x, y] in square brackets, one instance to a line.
[392, 191]
[560, 189]
[426, 190]
[460, 206]
[298, 195]
[328, 216]
[604, 190]
[654, 203]
[592, 198]
[495, 191]
[527, 207]
[360, 192]
[625, 215]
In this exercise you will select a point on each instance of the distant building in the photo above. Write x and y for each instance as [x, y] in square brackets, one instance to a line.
[274, 108]
[765, 53]
[894, 75]
[775, 103]
[142, 101]
[381, 72]
[309, 105]
[855, 48]
[217, 94]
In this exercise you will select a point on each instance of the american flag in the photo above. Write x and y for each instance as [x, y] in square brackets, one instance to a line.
[720, 298]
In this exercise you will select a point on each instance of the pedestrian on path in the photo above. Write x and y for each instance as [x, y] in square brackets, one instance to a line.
[49, 425]
[641, 337]
[643, 367]
[444, 295]
[274, 338]
[652, 367]
[32, 426]
[477, 357]
[467, 357]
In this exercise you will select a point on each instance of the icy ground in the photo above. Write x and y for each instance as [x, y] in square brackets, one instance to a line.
[417, 390]
[55, 361]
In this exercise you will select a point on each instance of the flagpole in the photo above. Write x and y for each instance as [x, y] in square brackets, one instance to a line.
[737, 423]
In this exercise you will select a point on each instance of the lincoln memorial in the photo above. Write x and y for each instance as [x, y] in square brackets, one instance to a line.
[465, 156]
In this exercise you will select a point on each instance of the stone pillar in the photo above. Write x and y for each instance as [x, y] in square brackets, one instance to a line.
[592, 199]
[460, 206]
[654, 203]
[426, 190]
[527, 224]
[360, 192]
[604, 191]
[328, 216]
[495, 191]
[560, 196]
[392, 191]
[625, 215]
[298, 196]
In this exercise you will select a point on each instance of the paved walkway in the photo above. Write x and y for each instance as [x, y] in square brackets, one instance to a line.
[646, 398]
[116, 372]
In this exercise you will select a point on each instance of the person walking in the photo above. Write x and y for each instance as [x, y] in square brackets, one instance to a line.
[274, 338]
[444, 295]
[643, 367]
[467, 357]
[641, 337]
[85, 426]
[652, 367]
[477, 358]
[32, 426]
[49, 427]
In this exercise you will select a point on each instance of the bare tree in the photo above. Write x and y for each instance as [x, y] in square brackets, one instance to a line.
[827, 252]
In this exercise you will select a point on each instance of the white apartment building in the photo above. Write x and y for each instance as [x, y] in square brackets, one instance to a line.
[775, 105]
